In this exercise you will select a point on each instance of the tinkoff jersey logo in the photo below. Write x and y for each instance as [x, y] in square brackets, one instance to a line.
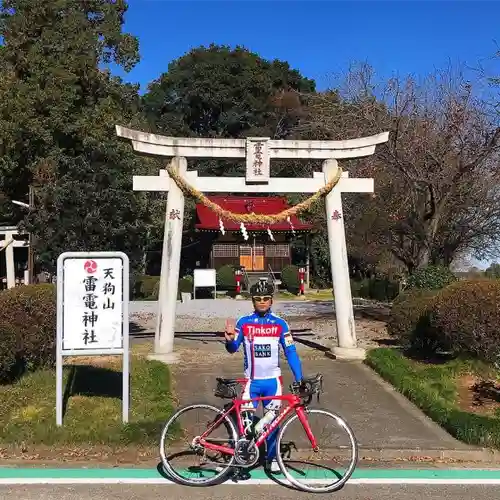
[252, 331]
[262, 350]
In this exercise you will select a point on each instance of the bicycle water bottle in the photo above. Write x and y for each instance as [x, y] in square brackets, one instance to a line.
[265, 420]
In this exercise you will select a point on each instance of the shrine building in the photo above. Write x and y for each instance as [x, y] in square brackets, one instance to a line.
[267, 249]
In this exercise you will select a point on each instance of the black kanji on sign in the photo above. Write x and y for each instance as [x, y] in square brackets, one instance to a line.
[89, 337]
[89, 301]
[108, 304]
[108, 273]
[174, 214]
[108, 288]
[89, 282]
[258, 163]
[89, 318]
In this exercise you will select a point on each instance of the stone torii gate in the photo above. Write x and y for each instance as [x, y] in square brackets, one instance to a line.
[258, 152]
[7, 245]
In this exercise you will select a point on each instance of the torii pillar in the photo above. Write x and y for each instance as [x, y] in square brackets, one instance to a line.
[7, 245]
[258, 151]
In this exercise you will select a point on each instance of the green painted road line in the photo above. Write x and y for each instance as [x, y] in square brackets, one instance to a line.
[360, 474]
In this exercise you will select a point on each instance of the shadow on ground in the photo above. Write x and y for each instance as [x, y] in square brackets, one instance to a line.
[387, 342]
[136, 328]
[205, 337]
[301, 336]
[379, 313]
[87, 380]
[375, 313]
[485, 391]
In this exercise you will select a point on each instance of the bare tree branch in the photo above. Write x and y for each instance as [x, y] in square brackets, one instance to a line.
[435, 179]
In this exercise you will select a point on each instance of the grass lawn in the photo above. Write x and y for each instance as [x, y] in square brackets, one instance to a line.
[311, 294]
[463, 396]
[93, 410]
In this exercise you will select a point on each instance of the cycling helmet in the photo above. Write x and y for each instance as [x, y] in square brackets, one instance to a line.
[262, 288]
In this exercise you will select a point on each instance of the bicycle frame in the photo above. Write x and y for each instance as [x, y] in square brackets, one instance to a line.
[294, 404]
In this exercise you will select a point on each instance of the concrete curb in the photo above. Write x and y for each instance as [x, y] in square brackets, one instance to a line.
[420, 455]
[387, 455]
[467, 453]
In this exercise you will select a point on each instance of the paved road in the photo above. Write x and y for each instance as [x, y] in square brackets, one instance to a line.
[154, 492]
[380, 417]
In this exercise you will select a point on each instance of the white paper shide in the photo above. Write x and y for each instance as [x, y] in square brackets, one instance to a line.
[92, 303]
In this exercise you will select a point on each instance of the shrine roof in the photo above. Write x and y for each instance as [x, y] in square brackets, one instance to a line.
[208, 220]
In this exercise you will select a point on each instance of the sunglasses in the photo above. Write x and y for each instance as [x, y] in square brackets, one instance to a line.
[264, 298]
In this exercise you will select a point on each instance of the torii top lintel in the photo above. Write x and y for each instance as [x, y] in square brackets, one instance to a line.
[258, 151]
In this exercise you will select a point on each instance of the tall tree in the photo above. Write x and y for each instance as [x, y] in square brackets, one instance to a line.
[59, 106]
[217, 91]
[224, 92]
[436, 179]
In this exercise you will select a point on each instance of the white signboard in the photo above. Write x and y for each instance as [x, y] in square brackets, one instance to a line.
[92, 303]
[92, 311]
[204, 278]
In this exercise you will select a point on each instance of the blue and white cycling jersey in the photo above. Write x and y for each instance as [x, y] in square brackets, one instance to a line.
[261, 337]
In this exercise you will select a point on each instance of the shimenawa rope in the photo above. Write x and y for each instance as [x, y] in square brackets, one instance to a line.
[252, 217]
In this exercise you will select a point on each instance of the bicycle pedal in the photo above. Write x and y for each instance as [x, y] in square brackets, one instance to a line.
[241, 475]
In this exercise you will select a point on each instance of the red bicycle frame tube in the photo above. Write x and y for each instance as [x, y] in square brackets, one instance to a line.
[293, 404]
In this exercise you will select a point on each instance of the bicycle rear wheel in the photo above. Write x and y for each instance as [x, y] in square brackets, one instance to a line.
[214, 466]
[341, 447]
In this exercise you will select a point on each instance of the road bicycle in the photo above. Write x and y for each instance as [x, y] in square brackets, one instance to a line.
[242, 447]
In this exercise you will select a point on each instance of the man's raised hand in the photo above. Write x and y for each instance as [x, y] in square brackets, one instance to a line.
[229, 331]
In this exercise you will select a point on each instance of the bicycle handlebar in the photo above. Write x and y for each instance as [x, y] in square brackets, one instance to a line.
[308, 387]
[226, 387]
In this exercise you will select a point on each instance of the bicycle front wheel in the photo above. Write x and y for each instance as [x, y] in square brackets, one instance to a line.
[331, 465]
[179, 444]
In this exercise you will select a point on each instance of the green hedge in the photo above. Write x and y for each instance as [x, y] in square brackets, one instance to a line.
[467, 316]
[225, 278]
[28, 321]
[381, 289]
[148, 287]
[410, 322]
[461, 318]
[185, 286]
[431, 278]
[424, 392]
[144, 287]
[290, 278]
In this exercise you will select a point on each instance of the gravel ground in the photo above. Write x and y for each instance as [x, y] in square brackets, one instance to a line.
[222, 308]
[313, 321]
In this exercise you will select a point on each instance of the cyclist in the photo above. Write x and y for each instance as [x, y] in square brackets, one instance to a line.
[261, 334]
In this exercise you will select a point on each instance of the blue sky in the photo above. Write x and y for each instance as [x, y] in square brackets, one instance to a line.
[319, 38]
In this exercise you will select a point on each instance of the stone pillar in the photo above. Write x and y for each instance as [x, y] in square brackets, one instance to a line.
[170, 263]
[346, 331]
[9, 260]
